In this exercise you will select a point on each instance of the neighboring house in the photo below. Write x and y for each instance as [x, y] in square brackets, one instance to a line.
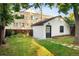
[24, 19]
[55, 26]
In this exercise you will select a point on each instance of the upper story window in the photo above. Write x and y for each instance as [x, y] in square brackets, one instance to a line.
[34, 17]
[26, 18]
[27, 24]
[61, 29]
[19, 16]
[16, 24]
[22, 24]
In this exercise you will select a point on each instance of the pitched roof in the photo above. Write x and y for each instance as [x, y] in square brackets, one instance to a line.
[46, 20]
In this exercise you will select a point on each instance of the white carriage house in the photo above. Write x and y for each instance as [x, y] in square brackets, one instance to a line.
[55, 26]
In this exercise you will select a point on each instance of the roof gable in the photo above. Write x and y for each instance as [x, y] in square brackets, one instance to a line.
[46, 20]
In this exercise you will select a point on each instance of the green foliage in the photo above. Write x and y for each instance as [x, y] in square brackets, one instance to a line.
[50, 5]
[37, 5]
[19, 17]
[70, 19]
[10, 32]
[8, 9]
[17, 6]
[25, 5]
[75, 6]
[5, 14]
[64, 7]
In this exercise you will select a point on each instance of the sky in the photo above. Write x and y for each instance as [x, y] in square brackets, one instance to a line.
[53, 12]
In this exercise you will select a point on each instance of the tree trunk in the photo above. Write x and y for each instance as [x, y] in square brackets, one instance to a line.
[76, 26]
[2, 26]
[2, 35]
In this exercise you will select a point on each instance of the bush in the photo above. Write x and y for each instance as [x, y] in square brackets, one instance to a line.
[10, 32]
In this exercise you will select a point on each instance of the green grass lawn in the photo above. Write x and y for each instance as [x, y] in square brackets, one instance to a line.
[58, 49]
[18, 45]
[62, 40]
[21, 45]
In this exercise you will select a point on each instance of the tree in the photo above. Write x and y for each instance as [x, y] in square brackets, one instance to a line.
[39, 5]
[64, 8]
[6, 16]
[70, 19]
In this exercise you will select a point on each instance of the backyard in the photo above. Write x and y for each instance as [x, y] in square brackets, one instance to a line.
[57, 45]
[62, 39]
[22, 45]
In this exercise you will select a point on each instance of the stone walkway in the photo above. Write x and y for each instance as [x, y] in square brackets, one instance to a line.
[71, 46]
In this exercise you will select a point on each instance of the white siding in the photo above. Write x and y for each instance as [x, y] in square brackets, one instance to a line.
[55, 24]
[38, 32]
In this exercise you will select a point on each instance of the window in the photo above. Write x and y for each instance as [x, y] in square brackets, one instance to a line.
[47, 29]
[22, 24]
[27, 24]
[61, 29]
[26, 18]
[16, 24]
[34, 18]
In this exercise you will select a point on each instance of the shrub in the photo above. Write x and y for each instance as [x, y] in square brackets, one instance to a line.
[10, 32]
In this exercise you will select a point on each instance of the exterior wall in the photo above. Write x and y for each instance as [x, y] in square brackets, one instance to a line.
[27, 21]
[38, 32]
[55, 24]
[19, 24]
